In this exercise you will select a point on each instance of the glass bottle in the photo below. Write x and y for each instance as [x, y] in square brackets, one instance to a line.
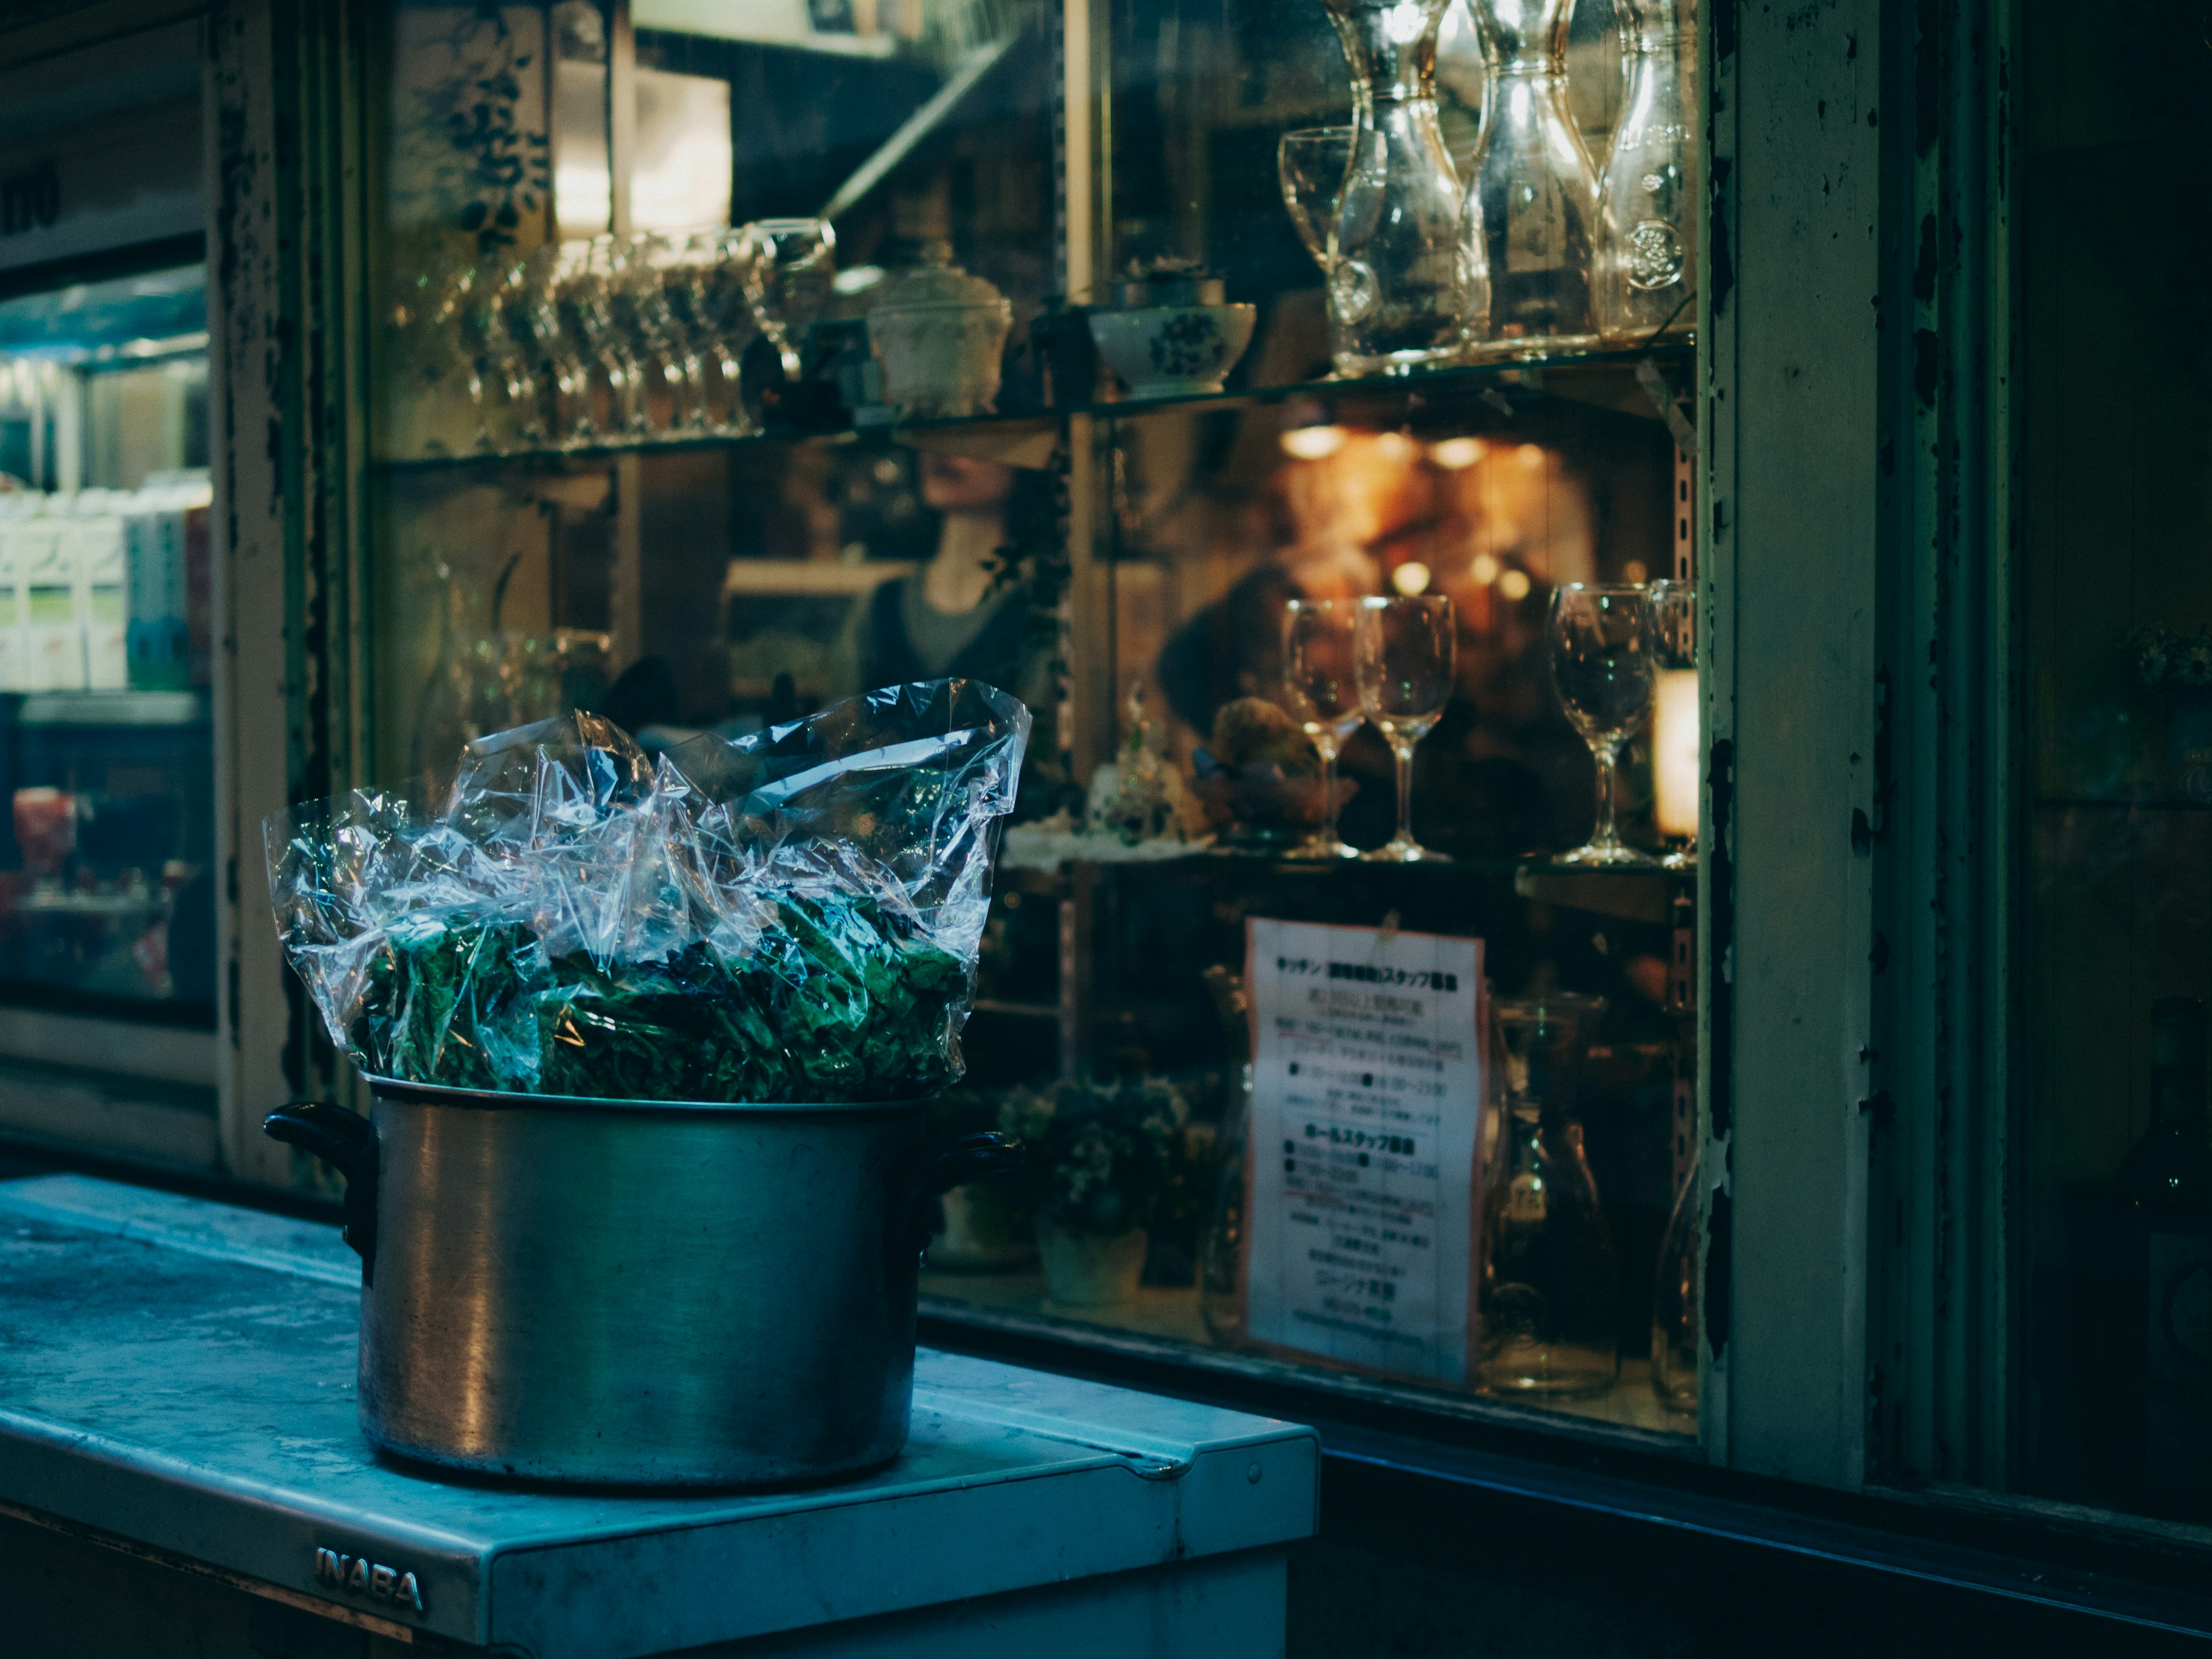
[1648, 236]
[1532, 203]
[1404, 281]
[1550, 1297]
[2165, 1193]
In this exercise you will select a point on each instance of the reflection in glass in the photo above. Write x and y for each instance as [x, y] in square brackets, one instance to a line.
[1403, 284]
[1321, 685]
[1648, 253]
[1549, 1302]
[1405, 649]
[1533, 202]
[1601, 642]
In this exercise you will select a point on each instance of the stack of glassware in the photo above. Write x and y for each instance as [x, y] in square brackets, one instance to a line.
[603, 342]
[1534, 251]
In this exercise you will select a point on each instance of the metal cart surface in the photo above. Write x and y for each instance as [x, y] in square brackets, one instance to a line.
[177, 1384]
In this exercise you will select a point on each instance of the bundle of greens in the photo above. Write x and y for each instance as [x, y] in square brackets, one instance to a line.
[790, 917]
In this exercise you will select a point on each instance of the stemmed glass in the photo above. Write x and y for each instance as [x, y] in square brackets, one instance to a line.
[533, 321]
[790, 264]
[1404, 648]
[640, 308]
[1602, 641]
[1312, 164]
[503, 372]
[581, 293]
[1321, 682]
[683, 267]
[730, 307]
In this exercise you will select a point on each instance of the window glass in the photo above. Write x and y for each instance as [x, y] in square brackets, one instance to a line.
[2117, 653]
[738, 358]
[107, 885]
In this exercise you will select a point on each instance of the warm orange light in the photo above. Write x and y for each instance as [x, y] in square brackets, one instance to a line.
[1410, 578]
[1454, 454]
[1514, 585]
[1484, 570]
[1313, 443]
[1674, 751]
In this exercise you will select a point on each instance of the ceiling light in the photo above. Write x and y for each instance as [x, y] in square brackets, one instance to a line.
[1313, 443]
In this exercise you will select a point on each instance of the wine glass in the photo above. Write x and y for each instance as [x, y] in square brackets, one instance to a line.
[683, 265]
[789, 265]
[1403, 655]
[1675, 718]
[1602, 640]
[1321, 683]
[640, 306]
[1312, 164]
[731, 329]
[580, 293]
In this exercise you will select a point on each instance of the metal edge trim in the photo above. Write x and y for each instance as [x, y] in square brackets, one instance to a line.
[486, 1100]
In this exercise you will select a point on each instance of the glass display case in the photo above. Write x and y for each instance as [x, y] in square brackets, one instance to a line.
[733, 358]
[106, 856]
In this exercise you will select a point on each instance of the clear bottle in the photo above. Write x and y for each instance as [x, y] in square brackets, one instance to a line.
[1405, 283]
[1648, 238]
[1550, 1297]
[1532, 203]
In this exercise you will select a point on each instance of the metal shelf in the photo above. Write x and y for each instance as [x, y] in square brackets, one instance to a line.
[1494, 384]
[112, 708]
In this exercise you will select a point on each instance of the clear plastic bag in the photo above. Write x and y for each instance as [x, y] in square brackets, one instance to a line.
[790, 916]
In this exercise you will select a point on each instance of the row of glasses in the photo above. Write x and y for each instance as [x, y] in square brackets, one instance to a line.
[609, 341]
[1387, 662]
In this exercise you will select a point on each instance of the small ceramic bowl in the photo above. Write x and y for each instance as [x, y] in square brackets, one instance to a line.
[1165, 351]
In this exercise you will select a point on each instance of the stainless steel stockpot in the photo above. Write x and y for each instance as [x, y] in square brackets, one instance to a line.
[635, 1292]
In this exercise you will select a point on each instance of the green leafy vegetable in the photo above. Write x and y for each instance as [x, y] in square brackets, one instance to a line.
[839, 998]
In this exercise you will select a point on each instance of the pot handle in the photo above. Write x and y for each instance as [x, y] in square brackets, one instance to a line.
[970, 1160]
[347, 1142]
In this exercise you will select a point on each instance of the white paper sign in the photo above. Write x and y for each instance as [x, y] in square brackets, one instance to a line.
[1368, 1075]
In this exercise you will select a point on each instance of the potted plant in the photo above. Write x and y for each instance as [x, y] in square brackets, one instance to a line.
[985, 1226]
[1103, 1153]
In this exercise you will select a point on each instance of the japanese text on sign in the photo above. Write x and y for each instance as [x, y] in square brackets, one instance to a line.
[1368, 1071]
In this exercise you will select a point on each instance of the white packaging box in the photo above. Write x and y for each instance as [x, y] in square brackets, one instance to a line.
[102, 573]
[12, 677]
[53, 635]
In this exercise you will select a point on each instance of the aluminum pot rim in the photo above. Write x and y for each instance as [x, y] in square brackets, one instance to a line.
[445, 1094]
